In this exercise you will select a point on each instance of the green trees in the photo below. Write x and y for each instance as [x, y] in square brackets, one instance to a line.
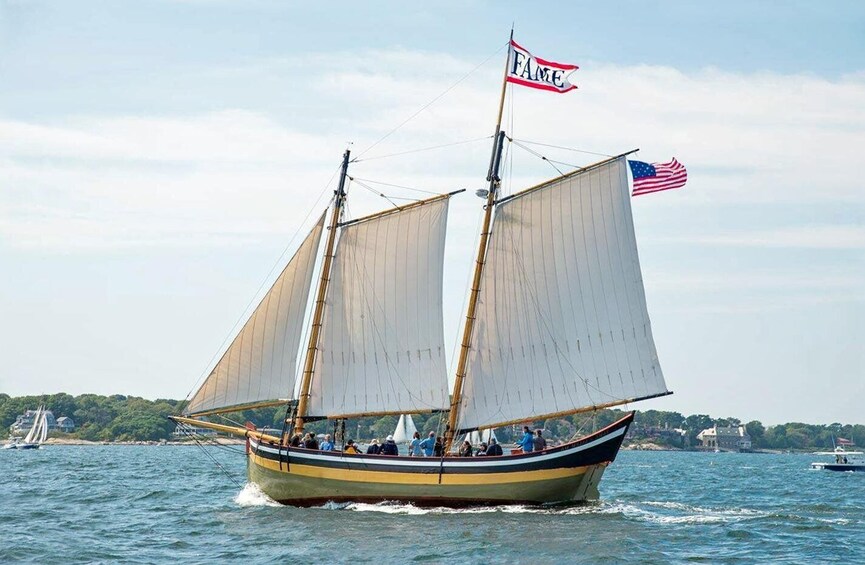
[99, 418]
[130, 418]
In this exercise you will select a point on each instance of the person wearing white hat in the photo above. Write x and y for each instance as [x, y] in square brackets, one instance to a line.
[389, 447]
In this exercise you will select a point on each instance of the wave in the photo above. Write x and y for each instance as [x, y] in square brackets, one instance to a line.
[252, 495]
[680, 513]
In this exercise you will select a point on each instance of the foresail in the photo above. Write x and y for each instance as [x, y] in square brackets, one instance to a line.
[562, 323]
[260, 364]
[382, 344]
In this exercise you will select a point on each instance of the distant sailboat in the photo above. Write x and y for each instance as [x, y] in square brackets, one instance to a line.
[556, 324]
[478, 437]
[37, 435]
[405, 429]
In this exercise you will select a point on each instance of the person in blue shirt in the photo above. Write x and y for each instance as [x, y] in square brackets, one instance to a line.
[326, 445]
[429, 444]
[414, 449]
[528, 441]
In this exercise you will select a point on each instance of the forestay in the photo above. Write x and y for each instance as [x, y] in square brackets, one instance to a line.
[382, 344]
[562, 323]
[260, 364]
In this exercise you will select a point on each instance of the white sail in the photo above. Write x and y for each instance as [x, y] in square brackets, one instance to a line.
[43, 433]
[405, 429]
[561, 323]
[32, 434]
[260, 364]
[382, 344]
[476, 437]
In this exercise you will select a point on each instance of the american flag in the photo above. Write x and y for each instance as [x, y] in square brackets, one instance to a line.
[843, 441]
[657, 176]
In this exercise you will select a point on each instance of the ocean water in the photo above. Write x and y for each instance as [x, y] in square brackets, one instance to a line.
[140, 504]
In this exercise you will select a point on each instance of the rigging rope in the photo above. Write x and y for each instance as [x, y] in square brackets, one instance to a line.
[264, 281]
[431, 102]
[211, 457]
[422, 149]
[564, 148]
[543, 157]
[377, 193]
[396, 186]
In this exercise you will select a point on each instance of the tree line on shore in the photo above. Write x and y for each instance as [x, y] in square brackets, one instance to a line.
[129, 418]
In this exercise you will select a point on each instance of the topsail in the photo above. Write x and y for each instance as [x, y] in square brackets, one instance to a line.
[562, 323]
[260, 364]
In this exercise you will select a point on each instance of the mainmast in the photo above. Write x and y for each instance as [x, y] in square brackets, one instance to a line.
[312, 347]
[494, 180]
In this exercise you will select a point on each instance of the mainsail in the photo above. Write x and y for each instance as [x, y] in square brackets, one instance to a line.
[260, 364]
[562, 323]
[382, 344]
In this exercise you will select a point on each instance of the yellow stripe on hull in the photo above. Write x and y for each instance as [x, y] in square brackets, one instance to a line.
[300, 484]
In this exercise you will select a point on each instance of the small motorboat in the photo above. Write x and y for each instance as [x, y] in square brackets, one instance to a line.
[844, 460]
[12, 444]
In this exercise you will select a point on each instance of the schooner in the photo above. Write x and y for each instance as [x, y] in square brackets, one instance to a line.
[556, 324]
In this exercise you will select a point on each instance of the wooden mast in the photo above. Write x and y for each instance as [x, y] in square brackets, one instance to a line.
[494, 180]
[318, 312]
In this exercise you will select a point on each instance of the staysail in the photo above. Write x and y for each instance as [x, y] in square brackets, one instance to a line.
[382, 344]
[562, 323]
[260, 364]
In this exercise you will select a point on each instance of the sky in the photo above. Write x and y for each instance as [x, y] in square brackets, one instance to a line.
[160, 160]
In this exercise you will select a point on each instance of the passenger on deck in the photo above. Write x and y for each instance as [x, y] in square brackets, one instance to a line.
[482, 450]
[311, 442]
[350, 447]
[539, 443]
[438, 448]
[295, 441]
[494, 449]
[466, 449]
[389, 447]
[326, 445]
[414, 449]
[374, 448]
[428, 445]
[527, 443]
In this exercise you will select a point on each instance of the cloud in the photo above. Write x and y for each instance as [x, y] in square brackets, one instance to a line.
[239, 173]
[840, 237]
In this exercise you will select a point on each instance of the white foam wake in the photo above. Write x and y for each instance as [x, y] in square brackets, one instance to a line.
[412, 510]
[252, 495]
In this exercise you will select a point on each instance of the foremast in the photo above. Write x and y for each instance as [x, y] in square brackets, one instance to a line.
[468, 329]
[318, 311]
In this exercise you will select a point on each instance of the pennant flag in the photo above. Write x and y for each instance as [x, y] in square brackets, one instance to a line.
[534, 72]
[843, 441]
[657, 176]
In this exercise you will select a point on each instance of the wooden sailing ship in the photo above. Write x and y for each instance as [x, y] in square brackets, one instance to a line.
[556, 324]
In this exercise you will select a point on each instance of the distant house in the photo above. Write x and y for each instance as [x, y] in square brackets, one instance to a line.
[185, 431]
[24, 422]
[65, 424]
[734, 438]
